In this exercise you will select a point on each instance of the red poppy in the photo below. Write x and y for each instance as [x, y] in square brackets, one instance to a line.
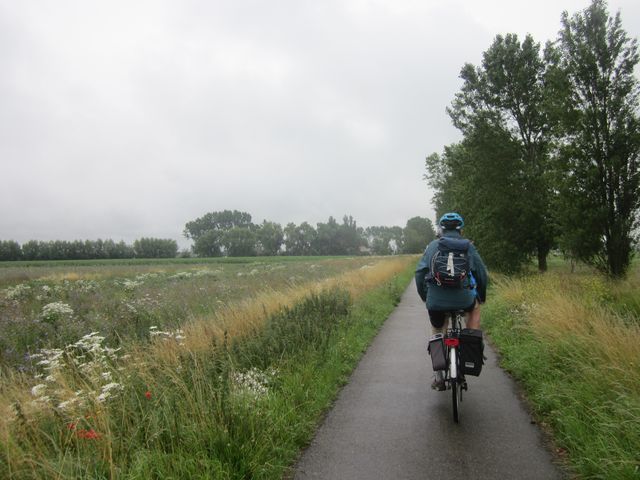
[90, 434]
[147, 394]
[71, 426]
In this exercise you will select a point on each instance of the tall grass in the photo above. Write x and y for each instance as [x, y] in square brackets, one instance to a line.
[574, 342]
[124, 301]
[235, 398]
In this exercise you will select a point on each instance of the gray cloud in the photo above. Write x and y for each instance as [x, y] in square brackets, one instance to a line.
[127, 119]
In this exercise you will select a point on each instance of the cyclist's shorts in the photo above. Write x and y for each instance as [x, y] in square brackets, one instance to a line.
[437, 317]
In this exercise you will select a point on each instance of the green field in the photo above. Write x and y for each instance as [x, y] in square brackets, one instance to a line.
[174, 370]
[123, 299]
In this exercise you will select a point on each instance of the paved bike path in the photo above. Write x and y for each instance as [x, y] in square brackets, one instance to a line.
[387, 423]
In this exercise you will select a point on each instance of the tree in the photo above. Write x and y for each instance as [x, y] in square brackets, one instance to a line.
[208, 231]
[300, 240]
[326, 241]
[118, 250]
[208, 244]
[417, 234]
[155, 248]
[270, 238]
[10, 250]
[225, 220]
[596, 100]
[507, 93]
[384, 240]
[239, 242]
[493, 215]
[349, 237]
[31, 250]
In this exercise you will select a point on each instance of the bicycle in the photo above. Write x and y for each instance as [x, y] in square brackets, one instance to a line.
[459, 352]
[454, 373]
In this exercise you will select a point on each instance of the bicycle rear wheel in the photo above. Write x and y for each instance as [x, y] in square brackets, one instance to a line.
[456, 391]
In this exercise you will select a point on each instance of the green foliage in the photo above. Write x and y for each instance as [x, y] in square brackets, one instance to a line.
[338, 239]
[10, 250]
[208, 244]
[494, 217]
[500, 110]
[329, 238]
[270, 238]
[595, 101]
[417, 234]
[155, 248]
[239, 242]
[577, 365]
[220, 221]
[226, 231]
[551, 146]
[70, 250]
[384, 240]
[300, 239]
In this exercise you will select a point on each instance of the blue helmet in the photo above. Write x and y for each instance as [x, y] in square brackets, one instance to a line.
[451, 221]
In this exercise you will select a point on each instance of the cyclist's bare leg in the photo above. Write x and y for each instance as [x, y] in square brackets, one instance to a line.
[473, 317]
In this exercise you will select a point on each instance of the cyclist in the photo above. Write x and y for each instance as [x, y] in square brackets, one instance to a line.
[442, 297]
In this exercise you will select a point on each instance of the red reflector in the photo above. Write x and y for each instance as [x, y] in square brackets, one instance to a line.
[452, 342]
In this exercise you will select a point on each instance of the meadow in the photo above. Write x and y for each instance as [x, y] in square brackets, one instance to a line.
[180, 369]
[52, 304]
[572, 339]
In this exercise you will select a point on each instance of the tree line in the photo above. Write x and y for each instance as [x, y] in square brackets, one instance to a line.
[550, 148]
[87, 249]
[232, 233]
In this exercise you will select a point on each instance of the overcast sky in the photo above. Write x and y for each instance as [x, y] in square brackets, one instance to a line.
[122, 119]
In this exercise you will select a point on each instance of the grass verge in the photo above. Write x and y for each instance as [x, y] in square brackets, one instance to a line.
[573, 341]
[222, 405]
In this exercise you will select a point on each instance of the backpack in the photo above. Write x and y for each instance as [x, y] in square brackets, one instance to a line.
[450, 263]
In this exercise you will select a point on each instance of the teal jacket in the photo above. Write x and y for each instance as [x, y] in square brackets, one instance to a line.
[445, 299]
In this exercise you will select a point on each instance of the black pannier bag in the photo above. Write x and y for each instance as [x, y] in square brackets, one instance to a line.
[471, 351]
[437, 352]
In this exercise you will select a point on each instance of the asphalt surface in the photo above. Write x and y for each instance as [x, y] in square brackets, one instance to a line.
[387, 423]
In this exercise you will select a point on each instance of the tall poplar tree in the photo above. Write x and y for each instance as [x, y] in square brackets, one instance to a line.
[500, 172]
[596, 98]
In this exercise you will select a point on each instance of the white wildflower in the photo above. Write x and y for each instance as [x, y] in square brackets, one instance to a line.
[38, 390]
[73, 401]
[109, 390]
[180, 275]
[55, 311]
[18, 292]
[177, 335]
[130, 285]
[253, 382]
[86, 286]
[204, 273]
[89, 356]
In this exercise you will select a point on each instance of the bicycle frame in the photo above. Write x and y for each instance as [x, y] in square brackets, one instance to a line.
[454, 376]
